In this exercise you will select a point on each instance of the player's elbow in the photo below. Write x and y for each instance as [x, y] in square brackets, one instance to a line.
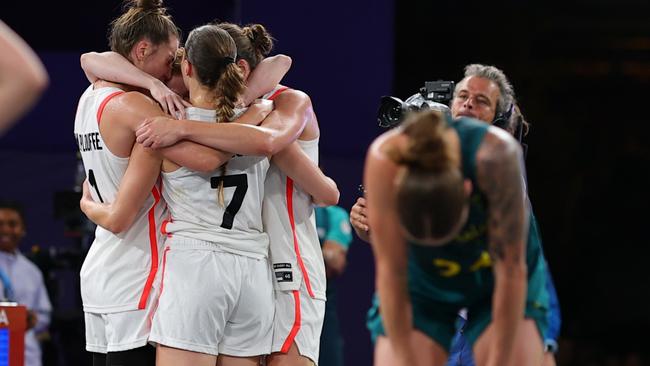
[39, 80]
[284, 61]
[330, 200]
[86, 59]
[33, 80]
[331, 196]
[117, 226]
[119, 223]
[268, 145]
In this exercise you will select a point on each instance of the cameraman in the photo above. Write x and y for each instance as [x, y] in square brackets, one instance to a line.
[484, 94]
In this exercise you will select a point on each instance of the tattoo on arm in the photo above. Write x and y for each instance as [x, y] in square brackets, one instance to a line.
[499, 168]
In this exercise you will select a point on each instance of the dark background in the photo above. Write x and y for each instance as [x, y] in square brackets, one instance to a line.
[580, 69]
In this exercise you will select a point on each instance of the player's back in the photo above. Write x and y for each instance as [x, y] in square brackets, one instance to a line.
[290, 221]
[460, 272]
[119, 269]
[235, 224]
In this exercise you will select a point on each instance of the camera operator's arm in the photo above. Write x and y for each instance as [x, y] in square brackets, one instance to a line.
[389, 247]
[499, 171]
[359, 219]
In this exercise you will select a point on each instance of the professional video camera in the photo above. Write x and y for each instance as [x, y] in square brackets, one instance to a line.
[433, 95]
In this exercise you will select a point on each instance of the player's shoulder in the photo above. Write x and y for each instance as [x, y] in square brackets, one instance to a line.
[387, 142]
[292, 95]
[135, 103]
[136, 98]
[497, 144]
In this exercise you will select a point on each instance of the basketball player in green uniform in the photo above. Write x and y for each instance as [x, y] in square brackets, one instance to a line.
[452, 230]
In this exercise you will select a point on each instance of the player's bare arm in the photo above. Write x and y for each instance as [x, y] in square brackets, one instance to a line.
[499, 171]
[126, 111]
[22, 77]
[281, 127]
[298, 166]
[188, 154]
[136, 185]
[389, 246]
[265, 77]
[112, 66]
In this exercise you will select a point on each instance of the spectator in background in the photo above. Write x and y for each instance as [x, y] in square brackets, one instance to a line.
[22, 280]
[335, 235]
[22, 77]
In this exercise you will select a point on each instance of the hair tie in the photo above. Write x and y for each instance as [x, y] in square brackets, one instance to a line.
[227, 61]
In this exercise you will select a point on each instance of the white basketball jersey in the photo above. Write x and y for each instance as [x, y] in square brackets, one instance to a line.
[195, 211]
[119, 270]
[290, 221]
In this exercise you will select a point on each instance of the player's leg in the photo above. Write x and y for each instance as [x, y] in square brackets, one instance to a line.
[290, 358]
[127, 335]
[192, 313]
[248, 333]
[427, 351]
[297, 328]
[526, 351]
[168, 356]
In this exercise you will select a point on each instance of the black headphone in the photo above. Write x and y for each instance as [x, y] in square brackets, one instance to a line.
[502, 119]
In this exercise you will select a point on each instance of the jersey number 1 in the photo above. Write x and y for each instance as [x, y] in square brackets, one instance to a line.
[241, 183]
[93, 183]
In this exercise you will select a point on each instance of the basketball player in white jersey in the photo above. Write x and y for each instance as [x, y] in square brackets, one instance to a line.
[195, 220]
[289, 217]
[117, 277]
[112, 66]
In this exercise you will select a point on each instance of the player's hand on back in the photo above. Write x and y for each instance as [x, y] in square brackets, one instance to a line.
[86, 198]
[257, 112]
[158, 132]
[169, 101]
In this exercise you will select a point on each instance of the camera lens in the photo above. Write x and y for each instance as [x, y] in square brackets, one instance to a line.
[390, 111]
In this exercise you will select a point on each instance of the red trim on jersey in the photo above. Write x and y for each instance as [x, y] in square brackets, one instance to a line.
[153, 244]
[296, 246]
[277, 92]
[296, 324]
[163, 227]
[101, 106]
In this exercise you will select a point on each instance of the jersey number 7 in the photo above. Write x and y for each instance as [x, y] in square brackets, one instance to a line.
[241, 183]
